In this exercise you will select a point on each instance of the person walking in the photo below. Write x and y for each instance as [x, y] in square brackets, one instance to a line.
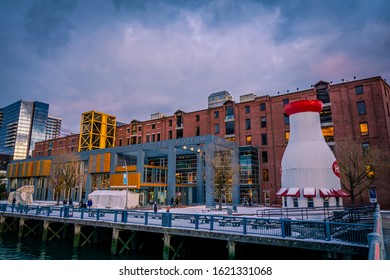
[13, 201]
[70, 202]
[89, 203]
[155, 207]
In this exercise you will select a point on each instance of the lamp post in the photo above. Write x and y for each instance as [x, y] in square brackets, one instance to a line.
[126, 181]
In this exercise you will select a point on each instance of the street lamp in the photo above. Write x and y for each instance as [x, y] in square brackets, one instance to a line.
[126, 181]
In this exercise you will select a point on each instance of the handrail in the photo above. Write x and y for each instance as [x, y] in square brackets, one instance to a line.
[376, 244]
[285, 228]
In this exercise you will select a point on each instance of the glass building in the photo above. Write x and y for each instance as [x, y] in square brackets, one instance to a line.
[23, 123]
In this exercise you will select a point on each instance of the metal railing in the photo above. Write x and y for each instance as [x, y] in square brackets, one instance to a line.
[354, 233]
[376, 244]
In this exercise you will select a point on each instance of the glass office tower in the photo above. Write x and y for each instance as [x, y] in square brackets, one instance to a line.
[23, 124]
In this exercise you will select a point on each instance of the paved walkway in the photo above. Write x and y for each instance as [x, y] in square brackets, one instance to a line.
[386, 232]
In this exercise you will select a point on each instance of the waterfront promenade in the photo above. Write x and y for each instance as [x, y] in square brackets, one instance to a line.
[241, 227]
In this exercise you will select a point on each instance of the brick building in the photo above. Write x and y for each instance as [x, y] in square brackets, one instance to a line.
[357, 109]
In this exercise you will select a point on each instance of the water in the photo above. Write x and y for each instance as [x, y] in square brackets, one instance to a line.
[14, 248]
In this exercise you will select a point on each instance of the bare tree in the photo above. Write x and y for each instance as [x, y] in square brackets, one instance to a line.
[358, 166]
[223, 168]
[64, 174]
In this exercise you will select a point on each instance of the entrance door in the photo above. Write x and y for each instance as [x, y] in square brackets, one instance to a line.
[267, 198]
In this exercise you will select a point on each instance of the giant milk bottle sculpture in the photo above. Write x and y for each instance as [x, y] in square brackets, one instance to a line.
[310, 175]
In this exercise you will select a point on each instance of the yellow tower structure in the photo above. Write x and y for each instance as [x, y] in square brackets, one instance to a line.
[97, 131]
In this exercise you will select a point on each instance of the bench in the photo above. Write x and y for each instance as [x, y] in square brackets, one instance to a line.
[263, 224]
[202, 220]
[93, 213]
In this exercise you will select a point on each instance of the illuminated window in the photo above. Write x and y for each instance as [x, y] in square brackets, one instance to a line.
[249, 140]
[363, 129]
[328, 133]
[287, 135]
[265, 175]
[370, 171]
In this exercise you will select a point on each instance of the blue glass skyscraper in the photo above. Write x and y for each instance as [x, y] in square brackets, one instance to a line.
[22, 124]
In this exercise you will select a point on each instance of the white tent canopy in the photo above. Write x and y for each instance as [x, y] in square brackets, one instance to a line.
[114, 199]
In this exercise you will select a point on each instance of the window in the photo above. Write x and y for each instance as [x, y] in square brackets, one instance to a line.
[363, 129]
[229, 113]
[326, 201]
[247, 109]
[139, 139]
[286, 119]
[263, 121]
[170, 134]
[197, 131]
[310, 202]
[361, 106]
[197, 117]
[359, 90]
[265, 175]
[153, 126]
[140, 128]
[295, 202]
[133, 140]
[287, 135]
[365, 147]
[127, 141]
[216, 128]
[229, 128]
[285, 101]
[170, 123]
[248, 140]
[262, 106]
[147, 138]
[264, 156]
[179, 133]
[248, 124]
[153, 137]
[216, 114]
[120, 141]
[328, 133]
[264, 141]
[133, 128]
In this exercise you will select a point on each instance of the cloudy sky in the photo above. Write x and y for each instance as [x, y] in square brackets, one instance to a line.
[133, 58]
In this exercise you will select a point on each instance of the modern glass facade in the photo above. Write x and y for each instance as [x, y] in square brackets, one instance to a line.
[23, 124]
[249, 173]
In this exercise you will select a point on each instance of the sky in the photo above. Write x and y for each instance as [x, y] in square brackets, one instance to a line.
[131, 58]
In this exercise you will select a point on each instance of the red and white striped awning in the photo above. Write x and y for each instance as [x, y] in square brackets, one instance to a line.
[340, 193]
[333, 193]
[309, 192]
[326, 193]
[281, 192]
[293, 192]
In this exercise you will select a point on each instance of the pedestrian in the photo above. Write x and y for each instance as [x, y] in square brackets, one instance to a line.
[168, 209]
[250, 201]
[89, 203]
[172, 202]
[245, 202]
[64, 202]
[81, 204]
[13, 201]
[177, 202]
[70, 202]
[155, 207]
